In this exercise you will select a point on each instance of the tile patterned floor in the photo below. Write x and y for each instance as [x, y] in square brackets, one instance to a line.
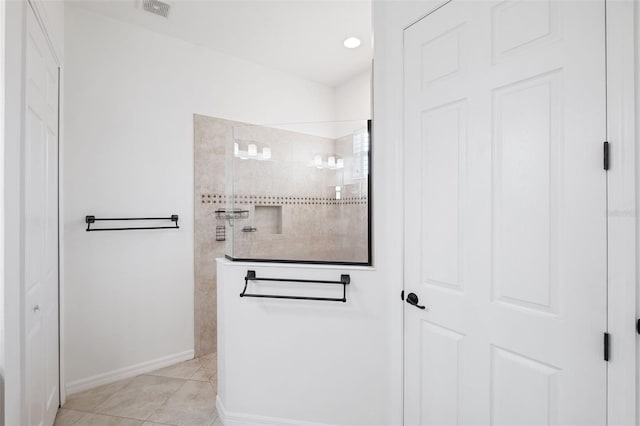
[183, 394]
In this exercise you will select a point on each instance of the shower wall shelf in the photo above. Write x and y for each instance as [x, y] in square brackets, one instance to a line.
[92, 220]
[221, 233]
[251, 276]
[232, 214]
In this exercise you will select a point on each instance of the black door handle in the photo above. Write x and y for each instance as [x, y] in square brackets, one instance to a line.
[412, 299]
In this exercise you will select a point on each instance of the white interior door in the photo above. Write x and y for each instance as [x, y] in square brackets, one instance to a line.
[41, 228]
[505, 214]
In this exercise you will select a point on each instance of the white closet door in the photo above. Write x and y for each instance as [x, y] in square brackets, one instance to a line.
[41, 228]
[505, 214]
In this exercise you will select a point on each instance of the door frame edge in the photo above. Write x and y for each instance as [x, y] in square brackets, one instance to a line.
[14, 53]
[622, 20]
[56, 50]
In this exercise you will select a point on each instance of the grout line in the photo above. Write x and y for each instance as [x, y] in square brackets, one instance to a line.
[167, 399]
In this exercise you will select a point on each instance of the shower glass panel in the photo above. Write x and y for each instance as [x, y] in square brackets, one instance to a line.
[298, 193]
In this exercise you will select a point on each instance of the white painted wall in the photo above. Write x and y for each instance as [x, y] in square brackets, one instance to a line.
[130, 96]
[353, 98]
[352, 102]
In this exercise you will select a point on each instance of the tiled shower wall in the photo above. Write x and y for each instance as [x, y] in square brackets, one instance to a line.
[314, 226]
[291, 205]
[210, 135]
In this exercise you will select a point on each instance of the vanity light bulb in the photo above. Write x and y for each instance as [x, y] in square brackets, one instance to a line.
[340, 163]
[331, 161]
[236, 149]
[266, 153]
[252, 150]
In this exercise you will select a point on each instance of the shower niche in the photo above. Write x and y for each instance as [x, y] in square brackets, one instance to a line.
[269, 219]
[306, 191]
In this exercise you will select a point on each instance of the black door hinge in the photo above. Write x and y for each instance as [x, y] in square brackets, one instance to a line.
[638, 326]
[605, 155]
[402, 295]
[606, 346]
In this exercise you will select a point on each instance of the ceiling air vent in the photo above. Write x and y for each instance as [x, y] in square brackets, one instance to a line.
[157, 7]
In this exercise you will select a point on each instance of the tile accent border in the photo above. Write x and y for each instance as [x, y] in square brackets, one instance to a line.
[278, 200]
[239, 419]
[127, 372]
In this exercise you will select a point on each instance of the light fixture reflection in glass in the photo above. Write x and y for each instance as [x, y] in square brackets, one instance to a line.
[236, 149]
[266, 153]
[252, 150]
[331, 161]
[340, 163]
[317, 160]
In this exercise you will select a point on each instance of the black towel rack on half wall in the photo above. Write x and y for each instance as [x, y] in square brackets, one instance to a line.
[92, 219]
[251, 276]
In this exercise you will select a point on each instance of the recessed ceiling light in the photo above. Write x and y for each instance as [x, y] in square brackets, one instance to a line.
[351, 42]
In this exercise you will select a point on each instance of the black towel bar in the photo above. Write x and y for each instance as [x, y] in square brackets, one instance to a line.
[251, 276]
[92, 219]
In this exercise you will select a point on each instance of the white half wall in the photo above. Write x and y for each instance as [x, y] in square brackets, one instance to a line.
[305, 363]
[130, 95]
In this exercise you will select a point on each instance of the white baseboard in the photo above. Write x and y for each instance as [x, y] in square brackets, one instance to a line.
[126, 372]
[239, 419]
